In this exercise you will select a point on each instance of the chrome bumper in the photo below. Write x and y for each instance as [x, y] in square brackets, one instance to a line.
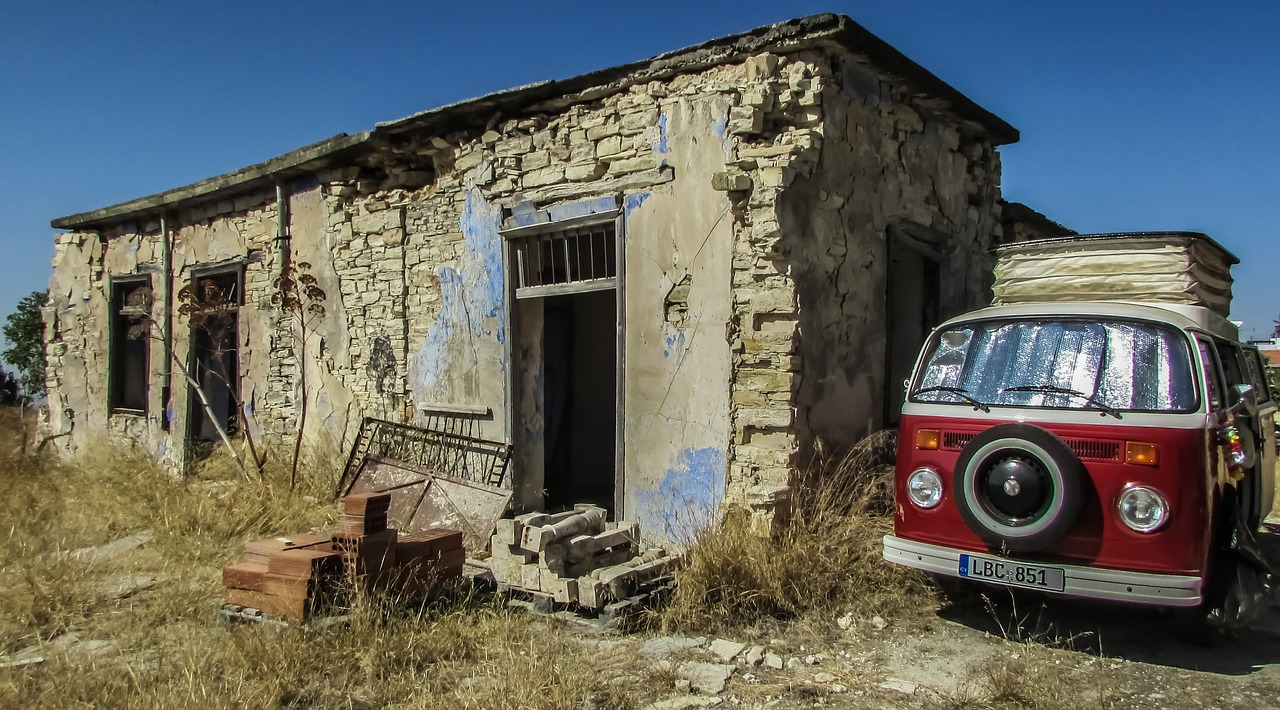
[1088, 582]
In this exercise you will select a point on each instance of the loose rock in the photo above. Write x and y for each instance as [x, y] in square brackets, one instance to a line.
[726, 650]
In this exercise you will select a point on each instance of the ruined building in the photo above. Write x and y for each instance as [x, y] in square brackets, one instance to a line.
[660, 283]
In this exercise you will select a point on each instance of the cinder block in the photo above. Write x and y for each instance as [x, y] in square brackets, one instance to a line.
[507, 532]
[506, 571]
[531, 577]
[592, 593]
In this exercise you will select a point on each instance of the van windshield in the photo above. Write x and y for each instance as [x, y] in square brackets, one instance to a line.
[1068, 364]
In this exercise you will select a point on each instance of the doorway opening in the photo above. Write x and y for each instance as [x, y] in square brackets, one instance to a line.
[912, 311]
[566, 358]
[579, 403]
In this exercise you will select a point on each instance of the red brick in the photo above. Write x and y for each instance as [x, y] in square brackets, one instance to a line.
[244, 575]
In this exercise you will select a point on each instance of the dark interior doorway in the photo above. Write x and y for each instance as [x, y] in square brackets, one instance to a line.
[580, 398]
[912, 312]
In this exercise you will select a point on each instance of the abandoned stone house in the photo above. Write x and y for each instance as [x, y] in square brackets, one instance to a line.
[661, 284]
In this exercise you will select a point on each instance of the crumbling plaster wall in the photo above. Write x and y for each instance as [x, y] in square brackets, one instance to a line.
[650, 150]
[755, 198]
[235, 233]
[886, 159]
[77, 337]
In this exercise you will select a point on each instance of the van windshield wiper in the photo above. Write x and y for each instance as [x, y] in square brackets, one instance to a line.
[961, 393]
[1054, 389]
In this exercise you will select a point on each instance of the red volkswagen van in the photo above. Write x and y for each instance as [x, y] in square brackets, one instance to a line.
[1116, 450]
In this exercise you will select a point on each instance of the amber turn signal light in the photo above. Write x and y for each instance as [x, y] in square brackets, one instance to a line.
[1139, 452]
[928, 439]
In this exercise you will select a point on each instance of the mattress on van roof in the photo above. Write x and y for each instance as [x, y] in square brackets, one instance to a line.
[1157, 267]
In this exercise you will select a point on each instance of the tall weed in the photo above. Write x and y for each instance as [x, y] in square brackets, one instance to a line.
[825, 555]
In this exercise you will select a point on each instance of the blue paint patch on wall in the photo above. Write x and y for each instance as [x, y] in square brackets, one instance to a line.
[634, 201]
[582, 208]
[472, 299]
[662, 135]
[688, 498]
[674, 342]
[432, 362]
[482, 262]
[721, 125]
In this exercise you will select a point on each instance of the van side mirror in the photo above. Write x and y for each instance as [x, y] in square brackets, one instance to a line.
[1246, 399]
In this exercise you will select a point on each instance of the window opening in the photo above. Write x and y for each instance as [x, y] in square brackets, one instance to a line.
[129, 364]
[1257, 373]
[1212, 376]
[213, 305]
[579, 255]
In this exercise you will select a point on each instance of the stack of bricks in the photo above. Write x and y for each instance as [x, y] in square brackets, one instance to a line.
[291, 577]
[574, 557]
[424, 559]
[300, 576]
[367, 545]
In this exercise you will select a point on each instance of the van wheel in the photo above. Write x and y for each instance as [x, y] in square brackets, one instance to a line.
[1018, 487]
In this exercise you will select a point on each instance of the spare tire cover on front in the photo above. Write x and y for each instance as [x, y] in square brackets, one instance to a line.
[1018, 487]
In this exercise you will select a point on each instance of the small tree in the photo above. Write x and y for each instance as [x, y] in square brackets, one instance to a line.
[10, 391]
[298, 294]
[207, 308]
[24, 329]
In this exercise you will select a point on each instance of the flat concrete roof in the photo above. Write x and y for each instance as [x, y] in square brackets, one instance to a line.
[814, 31]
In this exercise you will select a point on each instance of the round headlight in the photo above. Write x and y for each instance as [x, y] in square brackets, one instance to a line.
[1142, 509]
[924, 487]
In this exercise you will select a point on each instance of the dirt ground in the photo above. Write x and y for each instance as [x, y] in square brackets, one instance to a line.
[984, 648]
[987, 648]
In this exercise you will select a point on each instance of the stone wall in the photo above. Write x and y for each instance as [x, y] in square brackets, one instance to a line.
[888, 159]
[753, 199]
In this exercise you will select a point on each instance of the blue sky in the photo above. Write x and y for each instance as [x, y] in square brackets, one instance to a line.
[1134, 115]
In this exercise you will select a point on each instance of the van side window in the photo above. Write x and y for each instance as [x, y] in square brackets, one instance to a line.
[1212, 375]
[1229, 356]
[1257, 373]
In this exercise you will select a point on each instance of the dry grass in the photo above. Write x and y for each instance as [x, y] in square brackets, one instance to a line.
[166, 649]
[827, 556]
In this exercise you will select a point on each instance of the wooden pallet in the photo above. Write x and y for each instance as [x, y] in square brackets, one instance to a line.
[232, 614]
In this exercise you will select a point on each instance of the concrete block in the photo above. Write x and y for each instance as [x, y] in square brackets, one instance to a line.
[531, 577]
[507, 532]
[592, 593]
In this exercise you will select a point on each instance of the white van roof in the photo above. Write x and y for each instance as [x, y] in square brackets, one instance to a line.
[1186, 317]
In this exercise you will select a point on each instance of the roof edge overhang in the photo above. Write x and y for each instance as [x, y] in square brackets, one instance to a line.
[824, 30]
[268, 172]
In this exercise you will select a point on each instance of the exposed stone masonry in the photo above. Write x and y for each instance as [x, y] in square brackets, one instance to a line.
[790, 168]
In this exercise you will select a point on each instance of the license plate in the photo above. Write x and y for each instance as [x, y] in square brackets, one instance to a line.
[1017, 574]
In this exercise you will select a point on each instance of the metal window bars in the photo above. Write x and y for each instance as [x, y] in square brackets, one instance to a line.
[571, 256]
